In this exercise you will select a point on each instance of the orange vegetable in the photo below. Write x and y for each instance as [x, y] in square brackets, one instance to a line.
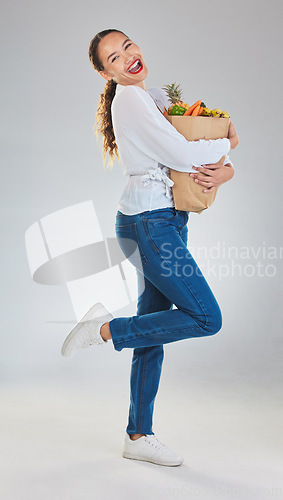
[165, 113]
[200, 110]
[191, 109]
[196, 111]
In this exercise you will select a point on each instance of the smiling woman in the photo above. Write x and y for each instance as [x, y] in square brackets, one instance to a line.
[151, 233]
[118, 60]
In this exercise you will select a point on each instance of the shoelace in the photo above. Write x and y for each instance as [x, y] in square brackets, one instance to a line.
[81, 339]
[155, 443]
[89, 341]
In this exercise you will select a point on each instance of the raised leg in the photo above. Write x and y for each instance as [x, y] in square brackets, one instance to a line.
[146, 365]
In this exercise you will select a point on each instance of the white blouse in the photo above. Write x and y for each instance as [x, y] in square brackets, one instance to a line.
[148, 145]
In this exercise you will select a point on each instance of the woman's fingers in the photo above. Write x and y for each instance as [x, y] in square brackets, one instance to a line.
[203, 170]
[204, 182]
[207, 177]
[200, 177]
[208, 169]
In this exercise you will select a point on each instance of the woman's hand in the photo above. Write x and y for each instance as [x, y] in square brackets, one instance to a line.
[212, 176]
[232, 135]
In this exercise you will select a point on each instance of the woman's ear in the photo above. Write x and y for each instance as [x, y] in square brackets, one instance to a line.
[105, 75]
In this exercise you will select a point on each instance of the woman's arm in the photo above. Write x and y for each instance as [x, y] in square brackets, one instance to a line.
[232, 135]
[137, 120]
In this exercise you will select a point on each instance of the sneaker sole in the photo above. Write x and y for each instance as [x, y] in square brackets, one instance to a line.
[125, 455]
[97, 310]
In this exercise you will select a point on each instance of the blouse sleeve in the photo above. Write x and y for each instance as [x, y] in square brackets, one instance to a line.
[227, 160]
[136, 117]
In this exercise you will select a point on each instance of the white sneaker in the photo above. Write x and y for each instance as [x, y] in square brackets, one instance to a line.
[149, 449]
[87, 331]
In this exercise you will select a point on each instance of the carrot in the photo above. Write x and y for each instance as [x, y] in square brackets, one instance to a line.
[196, 111]
[191, 109]
[200, 111]
[165, 113]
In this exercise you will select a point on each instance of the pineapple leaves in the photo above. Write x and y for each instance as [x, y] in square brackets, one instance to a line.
[173, 92]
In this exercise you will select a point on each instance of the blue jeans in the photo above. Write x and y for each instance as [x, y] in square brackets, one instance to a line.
[155, 242]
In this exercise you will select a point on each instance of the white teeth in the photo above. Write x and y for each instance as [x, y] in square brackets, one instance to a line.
[134, 65]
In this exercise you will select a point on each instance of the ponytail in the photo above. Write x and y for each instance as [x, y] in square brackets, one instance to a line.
[103, 122]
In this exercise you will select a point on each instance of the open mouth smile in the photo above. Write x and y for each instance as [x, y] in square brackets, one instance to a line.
[135, 67]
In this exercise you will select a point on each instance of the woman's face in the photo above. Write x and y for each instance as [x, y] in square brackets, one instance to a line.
[122, 60]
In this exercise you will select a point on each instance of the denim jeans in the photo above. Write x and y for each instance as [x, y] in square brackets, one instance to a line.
[155, 242]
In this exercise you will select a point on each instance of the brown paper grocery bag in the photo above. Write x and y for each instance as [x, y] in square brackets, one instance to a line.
[188, 195]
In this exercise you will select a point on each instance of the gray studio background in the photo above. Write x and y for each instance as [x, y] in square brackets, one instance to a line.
[220, 398]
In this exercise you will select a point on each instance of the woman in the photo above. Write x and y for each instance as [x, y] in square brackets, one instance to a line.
[151, 233]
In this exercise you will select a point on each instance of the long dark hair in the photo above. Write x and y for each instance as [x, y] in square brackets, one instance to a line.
[103, 120]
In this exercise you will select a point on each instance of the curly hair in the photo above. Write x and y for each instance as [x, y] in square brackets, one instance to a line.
[103, 120]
